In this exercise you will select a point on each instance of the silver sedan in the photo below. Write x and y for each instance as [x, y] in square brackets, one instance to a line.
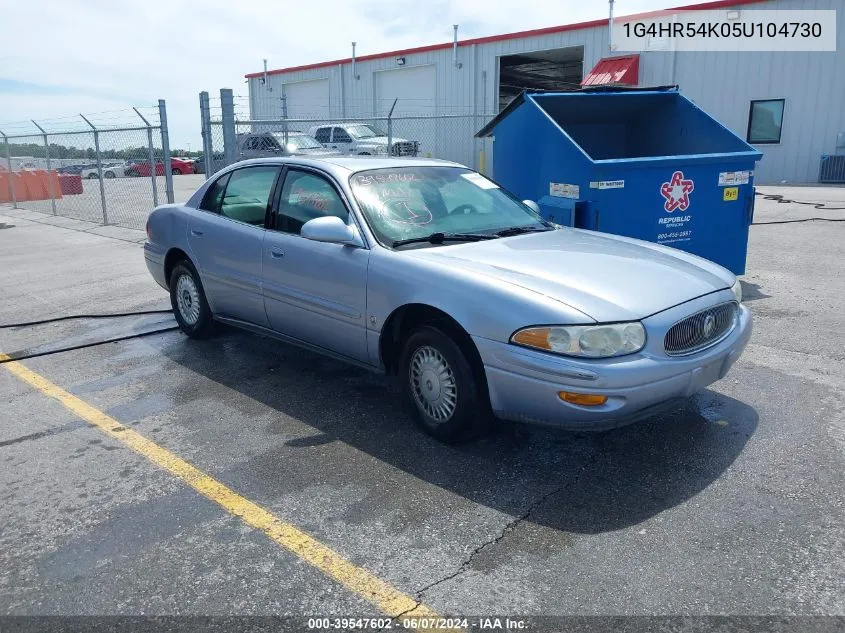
[430, 271]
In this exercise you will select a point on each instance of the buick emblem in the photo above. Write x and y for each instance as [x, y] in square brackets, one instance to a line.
[709, 325]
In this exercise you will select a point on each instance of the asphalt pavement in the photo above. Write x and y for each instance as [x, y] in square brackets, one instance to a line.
[733, 504]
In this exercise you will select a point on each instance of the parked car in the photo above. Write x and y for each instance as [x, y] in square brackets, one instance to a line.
[360, 138]
[428, 270]
[178, 166]
[110, 170]
[269, 144]
[73, 169]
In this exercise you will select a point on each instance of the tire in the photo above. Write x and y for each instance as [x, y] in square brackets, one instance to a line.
[92, 176]
[364, 154]
[109, 174]
[132, 173]
[176, 172]
[433, 364]
[187, 298]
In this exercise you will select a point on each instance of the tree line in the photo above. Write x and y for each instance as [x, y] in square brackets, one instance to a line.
[36, 150]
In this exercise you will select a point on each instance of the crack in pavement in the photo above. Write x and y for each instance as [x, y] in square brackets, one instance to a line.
[419, 596]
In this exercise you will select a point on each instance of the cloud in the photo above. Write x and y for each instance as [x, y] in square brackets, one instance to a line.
[64, 57]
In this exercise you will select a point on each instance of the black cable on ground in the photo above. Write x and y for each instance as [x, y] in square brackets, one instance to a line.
[15, 356]
[781, 200]
[816, 205]
[85, 316]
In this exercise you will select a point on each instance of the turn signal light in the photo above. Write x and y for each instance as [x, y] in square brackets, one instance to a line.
[584, 399]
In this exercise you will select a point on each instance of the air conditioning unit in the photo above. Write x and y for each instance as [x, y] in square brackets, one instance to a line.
[832, 168]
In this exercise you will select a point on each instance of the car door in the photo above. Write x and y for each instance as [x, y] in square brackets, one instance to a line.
[341, 141]
[314, 291]
[226, 236]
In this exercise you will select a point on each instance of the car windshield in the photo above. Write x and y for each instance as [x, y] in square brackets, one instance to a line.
[364, 131]
[300, 141]
[406, 203]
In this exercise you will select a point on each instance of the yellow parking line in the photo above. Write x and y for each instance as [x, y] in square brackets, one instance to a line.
[387, 598]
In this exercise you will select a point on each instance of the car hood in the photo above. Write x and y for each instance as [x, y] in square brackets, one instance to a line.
[606, 277]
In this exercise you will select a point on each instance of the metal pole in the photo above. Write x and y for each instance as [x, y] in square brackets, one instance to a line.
[610, 28]
[152, 156]
[230, 139]
[50, 187]
[207, 146]
[390, 128]
[165, 150]
[285, 115]
[11, 174]
[99, 169]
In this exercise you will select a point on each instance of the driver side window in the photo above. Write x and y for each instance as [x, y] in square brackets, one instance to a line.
[341, 136]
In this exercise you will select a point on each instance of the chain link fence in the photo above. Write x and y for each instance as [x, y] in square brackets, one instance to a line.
[109, 168]
[231, 135]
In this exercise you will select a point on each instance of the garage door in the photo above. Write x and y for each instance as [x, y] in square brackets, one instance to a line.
[308, 99]
[415, 87]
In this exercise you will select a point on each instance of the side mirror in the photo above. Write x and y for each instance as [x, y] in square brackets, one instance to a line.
[329, 229]
[533, 206]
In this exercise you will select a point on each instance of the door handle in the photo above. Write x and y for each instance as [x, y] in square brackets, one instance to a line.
[276, 253]
[196, 233]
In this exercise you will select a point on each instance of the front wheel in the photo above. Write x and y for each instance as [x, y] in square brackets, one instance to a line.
[176, 172]
[187, 298]
[92, 176]
[444, 394]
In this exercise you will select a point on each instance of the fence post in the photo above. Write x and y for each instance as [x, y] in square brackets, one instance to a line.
[390, 128]
[11, 175]
[205, 120]
[284, 99]
[230, 139]
[47, 156]
[99, 169]
[152, 156]
[165, 151]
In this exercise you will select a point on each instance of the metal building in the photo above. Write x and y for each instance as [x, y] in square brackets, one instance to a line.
[787, 104]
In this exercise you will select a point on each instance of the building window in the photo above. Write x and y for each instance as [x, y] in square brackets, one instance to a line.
[765, 121]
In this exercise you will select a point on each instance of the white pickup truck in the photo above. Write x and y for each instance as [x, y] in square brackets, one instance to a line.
[362, 139]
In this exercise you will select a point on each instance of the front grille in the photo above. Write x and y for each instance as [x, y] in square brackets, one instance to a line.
[701, 330]
[405, 148]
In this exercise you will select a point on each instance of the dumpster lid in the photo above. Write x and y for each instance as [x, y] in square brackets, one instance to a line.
[622, 69]
[487, 130]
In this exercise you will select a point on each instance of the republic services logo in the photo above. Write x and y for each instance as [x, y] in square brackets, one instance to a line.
[677, 192]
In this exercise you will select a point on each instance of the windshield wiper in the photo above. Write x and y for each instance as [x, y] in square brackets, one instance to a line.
[519, 230]
[439, 238]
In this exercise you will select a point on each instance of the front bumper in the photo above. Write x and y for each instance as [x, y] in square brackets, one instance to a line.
[524, 384]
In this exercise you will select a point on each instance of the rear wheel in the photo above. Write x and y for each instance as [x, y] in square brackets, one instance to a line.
[109, 174]
[92, 176]
[176, 172]
[188, 300]
[445, 397]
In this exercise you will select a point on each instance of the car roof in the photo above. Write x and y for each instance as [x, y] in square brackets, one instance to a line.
[340, 165]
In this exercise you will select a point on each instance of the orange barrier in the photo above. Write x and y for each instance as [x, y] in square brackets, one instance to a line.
[5, 187]
[53, 184]
[31, 185]
[35, 185]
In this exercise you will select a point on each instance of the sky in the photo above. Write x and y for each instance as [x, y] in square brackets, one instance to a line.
[62, 57]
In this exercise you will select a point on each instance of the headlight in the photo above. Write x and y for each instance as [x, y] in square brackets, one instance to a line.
[590, 341]
[737, 290]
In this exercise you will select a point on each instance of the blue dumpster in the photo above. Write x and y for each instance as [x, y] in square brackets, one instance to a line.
[644, 163]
